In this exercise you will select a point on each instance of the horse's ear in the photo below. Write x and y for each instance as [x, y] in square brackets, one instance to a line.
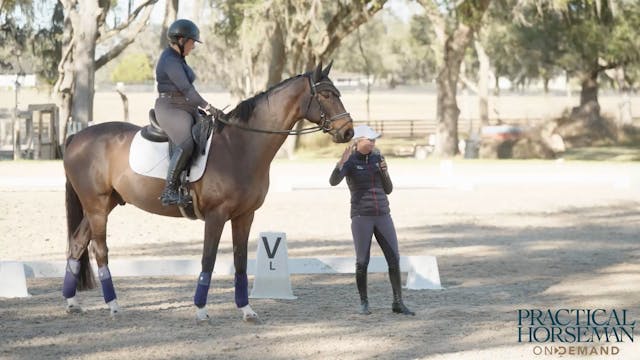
[317, 74]
[325, 72]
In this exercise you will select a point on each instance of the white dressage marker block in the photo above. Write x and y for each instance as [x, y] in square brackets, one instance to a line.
[272, 279]
[13, 283]
[422, 272]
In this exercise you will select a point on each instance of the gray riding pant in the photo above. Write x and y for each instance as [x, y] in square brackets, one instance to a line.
[363, 227]
[176, 117]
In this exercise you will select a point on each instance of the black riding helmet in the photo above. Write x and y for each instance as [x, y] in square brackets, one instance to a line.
[183, 28]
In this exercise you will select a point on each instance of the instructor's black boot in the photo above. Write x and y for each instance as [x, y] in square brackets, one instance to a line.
[361, 282]
[396, 285]
[171, 195]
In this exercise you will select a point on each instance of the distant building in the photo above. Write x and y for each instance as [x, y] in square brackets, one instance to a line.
[9, 81]
[345, 79]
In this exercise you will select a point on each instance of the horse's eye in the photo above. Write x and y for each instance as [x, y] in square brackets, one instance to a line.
[325, 94]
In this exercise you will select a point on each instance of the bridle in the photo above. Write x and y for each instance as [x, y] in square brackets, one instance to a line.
[324, 125]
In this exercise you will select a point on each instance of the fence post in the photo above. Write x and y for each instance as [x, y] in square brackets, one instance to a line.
[16, 136]
[36, 118]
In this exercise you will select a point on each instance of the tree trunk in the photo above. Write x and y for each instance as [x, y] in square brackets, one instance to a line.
[63, 87]
[65, 115]
[585, 126]
[545, 82]
[467, 18]
[447, 80]
[483, 84]
[76, 79]
[589, 109]
[277, 56]
[197, 15]
[367, 72]
[170, 15]
[86, 32]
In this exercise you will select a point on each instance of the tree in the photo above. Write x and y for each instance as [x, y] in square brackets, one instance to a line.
[133, 68]
[455, 25]
[85, 28]
[259, 42]
[170, 15]
[396, 52]
[584, 38]
[27, 48]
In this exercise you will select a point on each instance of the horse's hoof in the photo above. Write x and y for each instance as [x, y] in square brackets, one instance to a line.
[73, 306]
[364, 308]
[249, 316]
[202, 317]
[114, 309]
[252, 319]
[203, 321]
[74, 309]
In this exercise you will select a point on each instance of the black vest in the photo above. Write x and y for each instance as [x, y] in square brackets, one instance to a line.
[365, 183]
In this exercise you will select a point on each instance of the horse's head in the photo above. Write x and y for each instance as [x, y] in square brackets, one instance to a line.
[325, 108]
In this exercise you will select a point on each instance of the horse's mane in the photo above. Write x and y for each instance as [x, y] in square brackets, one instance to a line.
[245, 108]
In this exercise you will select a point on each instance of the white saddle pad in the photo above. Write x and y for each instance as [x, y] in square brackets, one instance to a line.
[152, 158]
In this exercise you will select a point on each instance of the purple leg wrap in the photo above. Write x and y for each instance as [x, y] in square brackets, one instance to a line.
[71, 279]
[108, 292]
[200, 299]
[242, 290]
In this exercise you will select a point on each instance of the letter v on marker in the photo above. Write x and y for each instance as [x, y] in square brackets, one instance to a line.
[271, 254]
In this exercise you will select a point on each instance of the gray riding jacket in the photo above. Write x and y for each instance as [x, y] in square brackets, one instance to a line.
[369, 185]
[173, 75]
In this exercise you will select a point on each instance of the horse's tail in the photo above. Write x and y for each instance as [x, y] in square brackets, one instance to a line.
[75, 214]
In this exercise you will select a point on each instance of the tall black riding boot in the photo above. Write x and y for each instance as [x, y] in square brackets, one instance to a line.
[171, 195]
[361, 282]
[396, 286]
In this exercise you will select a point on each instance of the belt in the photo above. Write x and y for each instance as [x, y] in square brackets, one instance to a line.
[172, 94]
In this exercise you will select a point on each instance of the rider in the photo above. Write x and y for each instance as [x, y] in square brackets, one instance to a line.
[369, 183]
[178, 102]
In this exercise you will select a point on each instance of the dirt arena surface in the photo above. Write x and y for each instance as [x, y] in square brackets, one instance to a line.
[507, 236]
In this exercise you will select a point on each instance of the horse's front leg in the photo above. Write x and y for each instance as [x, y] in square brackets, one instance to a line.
[241, 226]
[213, 225]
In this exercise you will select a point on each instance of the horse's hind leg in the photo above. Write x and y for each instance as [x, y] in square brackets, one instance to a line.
[77, 246]
[240, 232]
[98, 222]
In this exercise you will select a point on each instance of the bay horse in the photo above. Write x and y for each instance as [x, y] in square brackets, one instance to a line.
[233, 187]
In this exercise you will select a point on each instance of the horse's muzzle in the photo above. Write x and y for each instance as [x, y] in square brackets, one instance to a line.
[343, 136]
[348, 134]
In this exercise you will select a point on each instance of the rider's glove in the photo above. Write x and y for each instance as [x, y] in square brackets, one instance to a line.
[212, 111]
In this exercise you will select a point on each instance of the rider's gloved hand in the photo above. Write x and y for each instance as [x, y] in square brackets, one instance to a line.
[215, 112]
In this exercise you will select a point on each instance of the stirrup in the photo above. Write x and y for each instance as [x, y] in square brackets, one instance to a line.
[182, 200]
[170, 197]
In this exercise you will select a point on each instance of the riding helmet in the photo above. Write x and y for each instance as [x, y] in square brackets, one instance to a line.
[183, 28]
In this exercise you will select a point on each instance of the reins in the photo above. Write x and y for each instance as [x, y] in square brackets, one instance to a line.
[308, 130]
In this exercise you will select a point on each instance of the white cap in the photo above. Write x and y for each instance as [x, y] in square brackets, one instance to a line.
[364, 131]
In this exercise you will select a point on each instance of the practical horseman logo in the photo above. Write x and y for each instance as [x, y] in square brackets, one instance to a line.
[575, 331]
